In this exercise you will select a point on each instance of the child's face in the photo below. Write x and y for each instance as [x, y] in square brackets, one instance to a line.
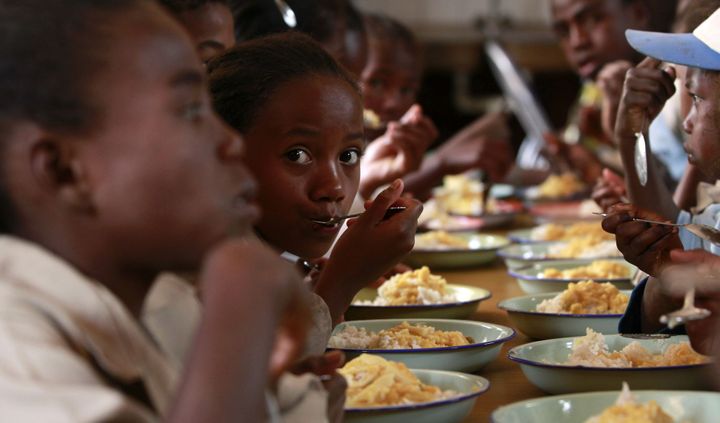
[166, 173]
[592, 32]
[703, 121]
[211, 27]
[304, 148]
[390, 80]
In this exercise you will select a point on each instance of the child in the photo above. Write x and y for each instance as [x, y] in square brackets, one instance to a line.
[390, 82]
[209, 22]
[301, 115]
[647, 87]
[103, 111]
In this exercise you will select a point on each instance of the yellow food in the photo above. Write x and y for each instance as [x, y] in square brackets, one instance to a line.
[586, 297]
[402, 336]
[598, 269]
[374, 382]
[591, 350]
[415, 287]
[371, 119]
[627, 410]
[461, 195]
[440, 239]
[558, 186]
[555, 232]
[584, 247]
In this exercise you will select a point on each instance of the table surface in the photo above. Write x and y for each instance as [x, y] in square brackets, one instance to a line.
[508, 384]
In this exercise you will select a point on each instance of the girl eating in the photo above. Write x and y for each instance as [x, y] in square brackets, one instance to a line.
[301, 115]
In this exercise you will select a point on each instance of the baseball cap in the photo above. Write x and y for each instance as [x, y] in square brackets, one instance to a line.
[698, 49]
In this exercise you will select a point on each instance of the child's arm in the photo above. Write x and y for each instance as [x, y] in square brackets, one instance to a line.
[646, 90]
[483, 144]
[368, 249]
[252, 328]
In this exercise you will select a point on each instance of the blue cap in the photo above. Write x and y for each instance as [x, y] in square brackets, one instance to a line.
[699, 49]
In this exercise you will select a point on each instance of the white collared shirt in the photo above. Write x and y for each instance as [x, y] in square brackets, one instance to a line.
[68, 346]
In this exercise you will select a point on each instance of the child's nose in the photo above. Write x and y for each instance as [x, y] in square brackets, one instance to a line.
[688, 124]
[328, 184]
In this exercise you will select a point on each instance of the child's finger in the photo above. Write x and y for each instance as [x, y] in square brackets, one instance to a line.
[375, 213]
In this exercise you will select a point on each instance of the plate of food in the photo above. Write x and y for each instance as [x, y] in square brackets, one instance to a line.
[382, 391]
[416, 294]
[521, 255]
[582, 305]
[440, 249]
[553, 276]
[597, 362]
[598, 407]
[434, 218]
[438, 344]
[559, 232]
[558, 188]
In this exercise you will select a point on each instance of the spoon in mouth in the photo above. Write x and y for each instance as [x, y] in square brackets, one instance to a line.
[339, 219]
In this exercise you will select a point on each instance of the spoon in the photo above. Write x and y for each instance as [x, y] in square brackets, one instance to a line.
[485, 186]
[338, 219]
[705, 232]
[687, 313]
[641, 159]
[288, 15]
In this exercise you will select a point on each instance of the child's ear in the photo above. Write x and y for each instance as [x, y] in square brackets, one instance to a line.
[58, 168]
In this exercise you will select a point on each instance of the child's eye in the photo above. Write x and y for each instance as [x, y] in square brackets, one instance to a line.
[695, 98]
[298, 155]
[350, 157]
[376, 83]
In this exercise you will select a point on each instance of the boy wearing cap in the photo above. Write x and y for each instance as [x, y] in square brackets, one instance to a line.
[646, 89]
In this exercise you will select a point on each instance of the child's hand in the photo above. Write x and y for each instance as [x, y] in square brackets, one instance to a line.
[609, 190]
[484, 144]
[610, 81]
[697, 269]
[645, 92]
[242, 274]
[369, 247]
[645, 245]
[397, 152]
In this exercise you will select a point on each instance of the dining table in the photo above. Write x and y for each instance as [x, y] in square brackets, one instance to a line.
[508, 384]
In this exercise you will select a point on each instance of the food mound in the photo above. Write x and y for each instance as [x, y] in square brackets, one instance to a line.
[440, 240]
[402, 336]
[560, 186]
[585, 247]
[555, 232]
[462, 195]
[375, 382]
[592, 351]
[586, 297]
[598, 269]
[627, 410]
[416, 287]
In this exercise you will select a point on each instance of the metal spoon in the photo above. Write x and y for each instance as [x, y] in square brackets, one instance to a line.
[705, 232]
[288, 15]
[339, 219]
[687, 313]
[641, 159]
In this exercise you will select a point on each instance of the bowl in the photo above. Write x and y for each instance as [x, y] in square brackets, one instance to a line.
[450, 410]
[540, 360]
[519, 255]
[539, 325]
[682, 406]
[466, 358]
[469, 298]
[482, 250]
[530, 281]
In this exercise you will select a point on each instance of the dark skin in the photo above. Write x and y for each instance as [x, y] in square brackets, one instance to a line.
[100, 200]
[306, 157]
[212, 28]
